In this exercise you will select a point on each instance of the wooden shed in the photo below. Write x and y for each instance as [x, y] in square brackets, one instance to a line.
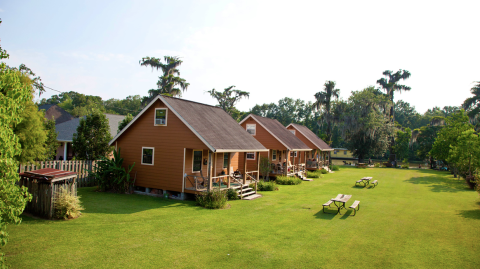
[43, 185]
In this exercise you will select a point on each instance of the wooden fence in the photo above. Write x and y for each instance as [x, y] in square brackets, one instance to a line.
[83, 177]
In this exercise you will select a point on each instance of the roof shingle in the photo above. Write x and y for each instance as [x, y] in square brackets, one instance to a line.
[317, 141]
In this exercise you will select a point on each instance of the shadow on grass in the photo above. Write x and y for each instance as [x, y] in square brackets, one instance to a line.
[440, 184]
[471, 214]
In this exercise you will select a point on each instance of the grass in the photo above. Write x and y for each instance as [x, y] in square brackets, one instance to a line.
[412, 219]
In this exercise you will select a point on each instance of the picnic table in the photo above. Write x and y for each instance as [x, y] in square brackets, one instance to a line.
[361, 165]
[364, 180]
[341, 199]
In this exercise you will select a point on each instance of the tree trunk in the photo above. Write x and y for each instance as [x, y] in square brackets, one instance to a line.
[392, 156]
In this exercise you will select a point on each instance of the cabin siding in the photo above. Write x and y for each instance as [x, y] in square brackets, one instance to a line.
[263, 136]
[169, 143]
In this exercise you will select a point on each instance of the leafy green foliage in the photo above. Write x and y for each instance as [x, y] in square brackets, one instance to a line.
[405, 164]
[472, 104]
[335, 168]
[365, 126]
[323, 172]
[214, 199]
[67, 205]
[265, 186]
[314, 174]
[51, 143]
[232, 194]
[228, 98]
[14, 95]
[323, 101]
[90, 142]
[265, 167]
[112, 175]
[466, 152]
[402, 143]
[128, 118]
[285, 180]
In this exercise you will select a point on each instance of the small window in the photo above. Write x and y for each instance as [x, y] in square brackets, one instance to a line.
[197, 160]
[292, 131]
[344, 152]
[251, 129]
[274, 155]
[147, 155]
[334, 152]
[226, 157]
[250, 155]
[160, 117]
[293, 154]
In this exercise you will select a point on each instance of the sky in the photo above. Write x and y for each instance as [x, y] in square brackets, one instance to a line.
[272, 49]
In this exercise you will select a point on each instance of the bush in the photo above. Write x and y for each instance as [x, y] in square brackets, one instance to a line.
[232, 194]
[283, 180]
[376, 165]
[315, 174]
[213, 199]
[405, 164]
[335, 168]
[265, 186]
[323, 171]
[67, 206]
[111, 174]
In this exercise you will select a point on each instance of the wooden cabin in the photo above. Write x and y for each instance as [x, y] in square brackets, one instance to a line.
[320, 155]
[286, 152]
[180, 146]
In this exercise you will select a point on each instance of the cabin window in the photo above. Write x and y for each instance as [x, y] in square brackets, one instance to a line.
[293, 154]
[274, 155]
[226, 157]
[250, 155]
[197, 160]
[344, 152]
[334, 152]
[147, 155]
[251, 129]
[292, 131]
[160, 117]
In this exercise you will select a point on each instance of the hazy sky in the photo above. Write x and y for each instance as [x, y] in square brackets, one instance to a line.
[272, 49]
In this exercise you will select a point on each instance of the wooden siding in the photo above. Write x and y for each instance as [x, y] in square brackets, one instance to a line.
[302, 137]
[263, 136]
[169, 143]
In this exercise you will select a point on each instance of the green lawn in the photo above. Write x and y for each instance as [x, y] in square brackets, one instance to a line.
[413, 218]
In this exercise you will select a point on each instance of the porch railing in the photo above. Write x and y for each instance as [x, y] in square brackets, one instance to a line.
[196, 181]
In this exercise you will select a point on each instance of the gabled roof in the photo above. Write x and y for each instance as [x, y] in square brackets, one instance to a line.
[213, 126]
[58, 113]
[67, 129]
[317, 141]
[277, 130]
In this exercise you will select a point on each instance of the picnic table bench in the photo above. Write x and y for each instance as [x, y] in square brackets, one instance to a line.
[374, 183]
[354, 206]
[364, 180]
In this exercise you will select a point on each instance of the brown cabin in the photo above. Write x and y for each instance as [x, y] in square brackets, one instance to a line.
[286, 152]
[320, 155]
[185, 147]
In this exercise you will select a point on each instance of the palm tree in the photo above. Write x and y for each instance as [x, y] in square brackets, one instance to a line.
[225, 99]
[169, 83]
[390, 85]
[323, 101]
[472, 104]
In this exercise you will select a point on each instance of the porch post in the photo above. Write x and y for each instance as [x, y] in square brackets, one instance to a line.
[229, 172]
[245, 168]
[258, 172]
[215, 169]
[286, 162]
[209, 170]
[65, 151]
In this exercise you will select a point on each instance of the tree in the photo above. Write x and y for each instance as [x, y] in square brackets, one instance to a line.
[13, 97]
[402, 144]
[390, 85]
[51, 143]
[365, 127]
[323, 101]
[90, 142]
[124, 122]
[466, 153]
[228, 98]
[424, 138]
[472, 104]
[169, 83]
[448, 136]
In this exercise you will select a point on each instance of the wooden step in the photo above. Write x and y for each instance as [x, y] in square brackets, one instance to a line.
[251, 197]
[246, 193]
[244, 190]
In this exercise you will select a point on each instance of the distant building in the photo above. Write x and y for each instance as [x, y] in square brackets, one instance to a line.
[67, 129]
[343, 154]
[58, 113]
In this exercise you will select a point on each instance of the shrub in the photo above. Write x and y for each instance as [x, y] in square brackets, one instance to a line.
[376, 165]
[335, 168]
[265, 186]
[111, 175]
[213, 199]
[405, 164]
[323, 171]
[232, 194]
[283, 180]
[67, 205]
[315, 174]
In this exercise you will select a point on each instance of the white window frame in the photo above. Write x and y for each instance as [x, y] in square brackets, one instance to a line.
[254, 156]
[292, 131]
[344, 152]
[294, 153]
[193, 158]
[153, 156]
[254, 128]
[274, 154]
[155, 117]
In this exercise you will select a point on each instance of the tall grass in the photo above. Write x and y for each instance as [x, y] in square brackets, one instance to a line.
[214, 199]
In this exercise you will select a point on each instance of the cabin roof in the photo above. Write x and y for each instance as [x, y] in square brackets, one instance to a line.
[212, 125]
[317, 141]
[67, 129]
[284, 136]
[58, 113]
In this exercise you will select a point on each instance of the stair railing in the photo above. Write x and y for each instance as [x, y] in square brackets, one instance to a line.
[254, 179]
